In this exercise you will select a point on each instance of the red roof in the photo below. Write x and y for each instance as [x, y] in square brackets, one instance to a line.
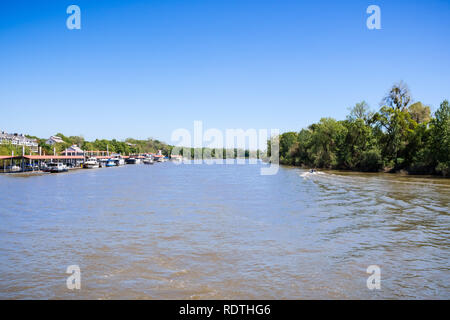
[108, 157]
[47, 157]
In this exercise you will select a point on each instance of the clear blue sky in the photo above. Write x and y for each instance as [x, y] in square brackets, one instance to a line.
[144, 68]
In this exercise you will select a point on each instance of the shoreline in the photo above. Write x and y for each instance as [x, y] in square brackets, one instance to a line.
[400, 173]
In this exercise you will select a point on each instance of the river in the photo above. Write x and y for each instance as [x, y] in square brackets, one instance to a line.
[171, 231]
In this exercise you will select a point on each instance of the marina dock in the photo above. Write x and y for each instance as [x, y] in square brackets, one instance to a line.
[28, 163]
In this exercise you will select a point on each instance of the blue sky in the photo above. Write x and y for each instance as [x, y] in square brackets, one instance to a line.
[145, 68]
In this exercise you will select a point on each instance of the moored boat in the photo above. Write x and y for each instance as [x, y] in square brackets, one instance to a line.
[55, 167]
[91, 163]
[159, 158]
[110, 163]
[176, 158]
[133, 160]
[119, 161]
[102, 163]
[14, 168]
[148, 161]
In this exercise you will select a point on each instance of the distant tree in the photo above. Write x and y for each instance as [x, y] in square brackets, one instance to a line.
[397, 124]
[419, 113]
[395, 120]
[360, 110]
[287, 142]
[440, 138]
[78, 140]
[358, 140]
[398, 97]
[327, 138]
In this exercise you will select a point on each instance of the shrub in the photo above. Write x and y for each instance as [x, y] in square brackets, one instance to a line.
[371, 160]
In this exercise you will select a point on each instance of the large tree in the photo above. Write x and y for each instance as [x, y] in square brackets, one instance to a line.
[419, 113]
[398, 97]
[440, 138]
[361, 110]
[394, 119]
[328, 136]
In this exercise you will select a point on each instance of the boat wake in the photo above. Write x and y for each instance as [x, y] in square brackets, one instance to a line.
[308, 174]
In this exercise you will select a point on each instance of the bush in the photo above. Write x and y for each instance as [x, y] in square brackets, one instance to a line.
[371, 160]
[443, 168]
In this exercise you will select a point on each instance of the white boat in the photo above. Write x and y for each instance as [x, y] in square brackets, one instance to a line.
[55, 167]
[119, 161]
[102, 163]
[14, 168]
[148, 161]
[133, 161]
[91, 163]
[110, 163]
[176, 158]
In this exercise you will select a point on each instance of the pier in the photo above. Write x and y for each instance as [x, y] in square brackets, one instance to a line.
[35, 162]
[24, 163]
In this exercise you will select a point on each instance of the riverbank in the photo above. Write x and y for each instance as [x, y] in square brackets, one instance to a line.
[398, 137]
[389, 171]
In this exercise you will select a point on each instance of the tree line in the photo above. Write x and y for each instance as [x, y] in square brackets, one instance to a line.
[129, 146]
[401, 135]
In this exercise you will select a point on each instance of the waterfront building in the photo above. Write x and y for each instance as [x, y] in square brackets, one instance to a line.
[73, 150]
[19, 140]
[54, 140]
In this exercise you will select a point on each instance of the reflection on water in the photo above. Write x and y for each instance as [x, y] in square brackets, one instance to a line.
[223, 232]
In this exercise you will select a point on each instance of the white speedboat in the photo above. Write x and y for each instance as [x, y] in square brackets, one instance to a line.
[91, 163]
[148, 161]
[55, 167]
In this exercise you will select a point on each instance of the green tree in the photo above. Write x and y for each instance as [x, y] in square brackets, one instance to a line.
[358, 141]
[419, 113]
[396, 121]
[327, 138]
[288, 142]
[398, 97]
[397, 125]
[440, 138]
[361, 110]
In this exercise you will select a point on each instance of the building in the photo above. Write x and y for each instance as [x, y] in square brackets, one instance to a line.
[19, 140]
[54, 140]
[73, 150]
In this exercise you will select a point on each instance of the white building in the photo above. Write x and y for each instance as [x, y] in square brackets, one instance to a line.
[19, 140]
[54, 140]
[73, 150]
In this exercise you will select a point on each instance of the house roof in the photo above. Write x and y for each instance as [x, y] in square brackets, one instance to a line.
[73, 148]
[56, 138]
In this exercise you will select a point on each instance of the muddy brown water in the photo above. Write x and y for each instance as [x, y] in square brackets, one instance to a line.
[223, 232]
